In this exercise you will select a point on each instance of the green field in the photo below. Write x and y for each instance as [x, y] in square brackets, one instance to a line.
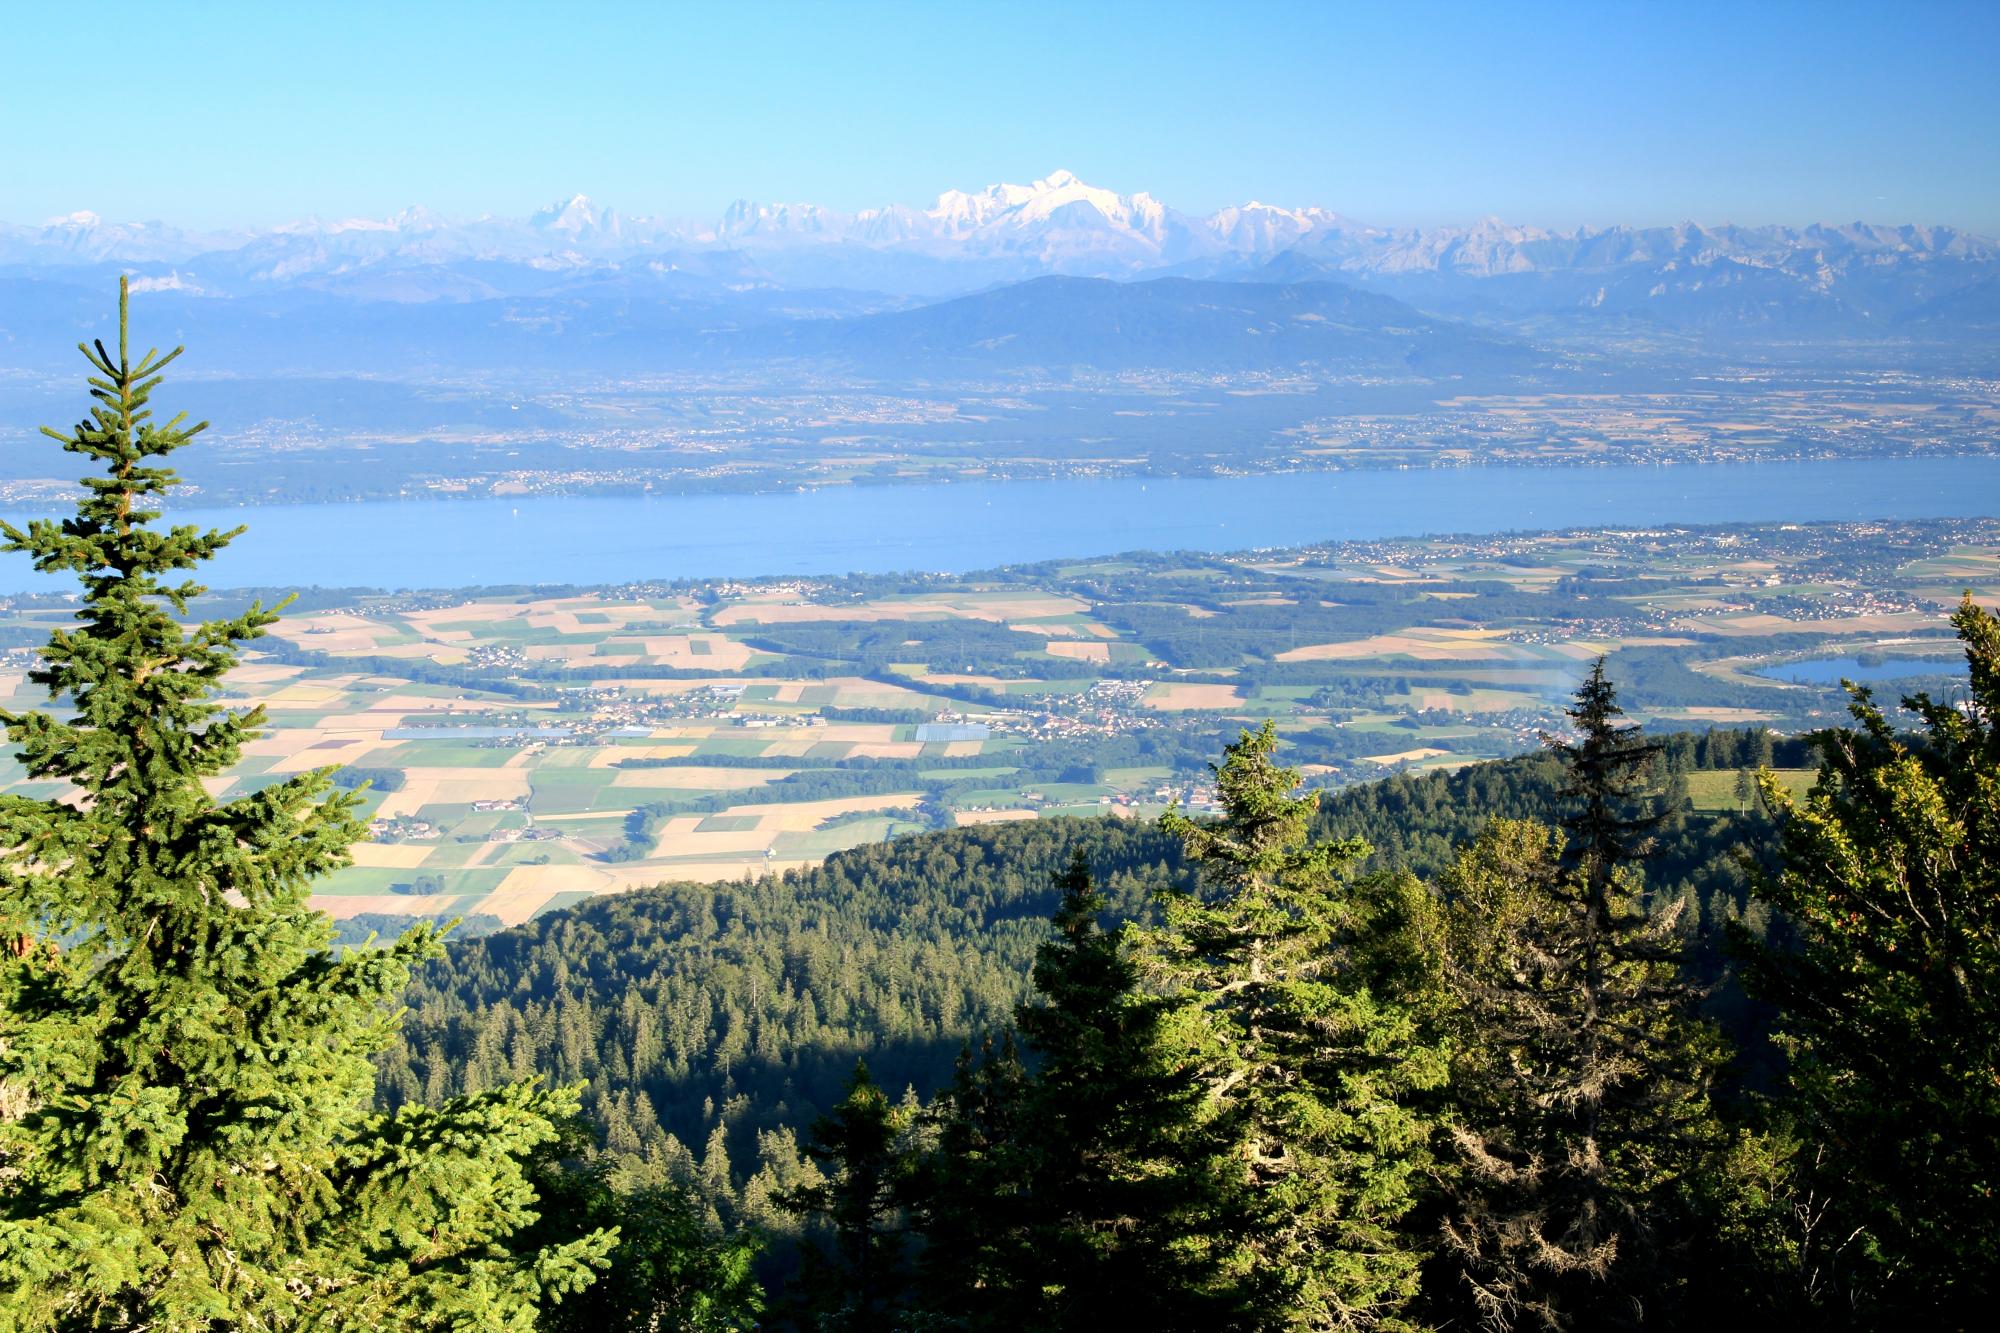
[1393, 656]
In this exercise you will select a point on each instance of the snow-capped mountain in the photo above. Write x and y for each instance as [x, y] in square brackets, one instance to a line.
[577, 222]
[1058, 225]
[1260, 230]
[85, 238]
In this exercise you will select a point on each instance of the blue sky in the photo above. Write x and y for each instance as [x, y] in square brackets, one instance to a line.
[1409, 113]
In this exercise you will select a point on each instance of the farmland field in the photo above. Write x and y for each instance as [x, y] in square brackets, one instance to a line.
[527, 750]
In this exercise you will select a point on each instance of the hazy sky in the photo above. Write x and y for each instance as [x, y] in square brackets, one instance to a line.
[1544, 113]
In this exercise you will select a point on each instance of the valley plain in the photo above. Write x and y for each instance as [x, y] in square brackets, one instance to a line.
[527, 749]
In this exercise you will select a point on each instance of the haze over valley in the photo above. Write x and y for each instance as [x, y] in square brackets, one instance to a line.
[1017, 331]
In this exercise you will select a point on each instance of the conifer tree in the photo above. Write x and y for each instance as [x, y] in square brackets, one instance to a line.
[1580, 1123]
[979, 1267]
[866, 1164]
[191, 1144]
[1120, 1158]
[1077, 1195]
[1890, 1001]
[1310, 1071]
[672, 1269]
[1609, 825]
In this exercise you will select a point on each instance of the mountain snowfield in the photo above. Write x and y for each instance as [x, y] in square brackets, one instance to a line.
[578, 265]
[1056, 225]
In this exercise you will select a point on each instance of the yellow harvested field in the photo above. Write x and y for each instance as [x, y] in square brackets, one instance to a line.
[684, 836]
[805, 816]
[1182, 698]
[395, 855]
[688, 686]
[262, 673]
[1758, 624]
[302, 695]
[692, 651]
[855, 732]
[341, 906]
[1583, 650]
[1424, 644]
[790, 749]
[465, 613]
[334, 750]
[860, 692]
[574, 653]
[1715, 714]
[887, 750]
[1080, 652]
[962, 749]
[964, 818]
[527, 888]
[1884, 623]
[1405, 756]
[441, 653]
[453, 786]
[609, 756]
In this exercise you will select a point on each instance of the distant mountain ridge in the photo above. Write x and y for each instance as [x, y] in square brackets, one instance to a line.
[1179, 324]
[1059, 220]
[1821, 279]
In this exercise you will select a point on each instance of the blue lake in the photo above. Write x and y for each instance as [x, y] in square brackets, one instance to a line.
[1832, 670]
[979, 525]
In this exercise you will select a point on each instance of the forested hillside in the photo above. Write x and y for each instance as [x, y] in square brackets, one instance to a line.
[716, 1015]
[742, 1007]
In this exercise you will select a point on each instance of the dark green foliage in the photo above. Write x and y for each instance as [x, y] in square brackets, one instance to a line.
[951, 645]
[1077, 1193]
[372, 928]
[672, 1268]
[1312, 1068]
[1890, 1005]
[982, 1263]
[862, 1147]
[1579, 1119]
[1121, 1159]
[380, 779]
[185, 1131]
[1610, 823]
[696, 1005]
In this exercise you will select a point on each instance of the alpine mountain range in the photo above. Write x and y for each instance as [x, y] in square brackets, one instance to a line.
[1058, 272]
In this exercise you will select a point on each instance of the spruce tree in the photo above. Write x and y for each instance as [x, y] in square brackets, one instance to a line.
[189, 1143]
[1311, 1070]
[1610, 825]
[980, 1267]
[866, 1163]
[1890, 1000]
[1079, 1195]
[1580, 1128]
[1120, 1158]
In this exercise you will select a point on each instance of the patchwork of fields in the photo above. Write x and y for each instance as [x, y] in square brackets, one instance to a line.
[527, 750]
